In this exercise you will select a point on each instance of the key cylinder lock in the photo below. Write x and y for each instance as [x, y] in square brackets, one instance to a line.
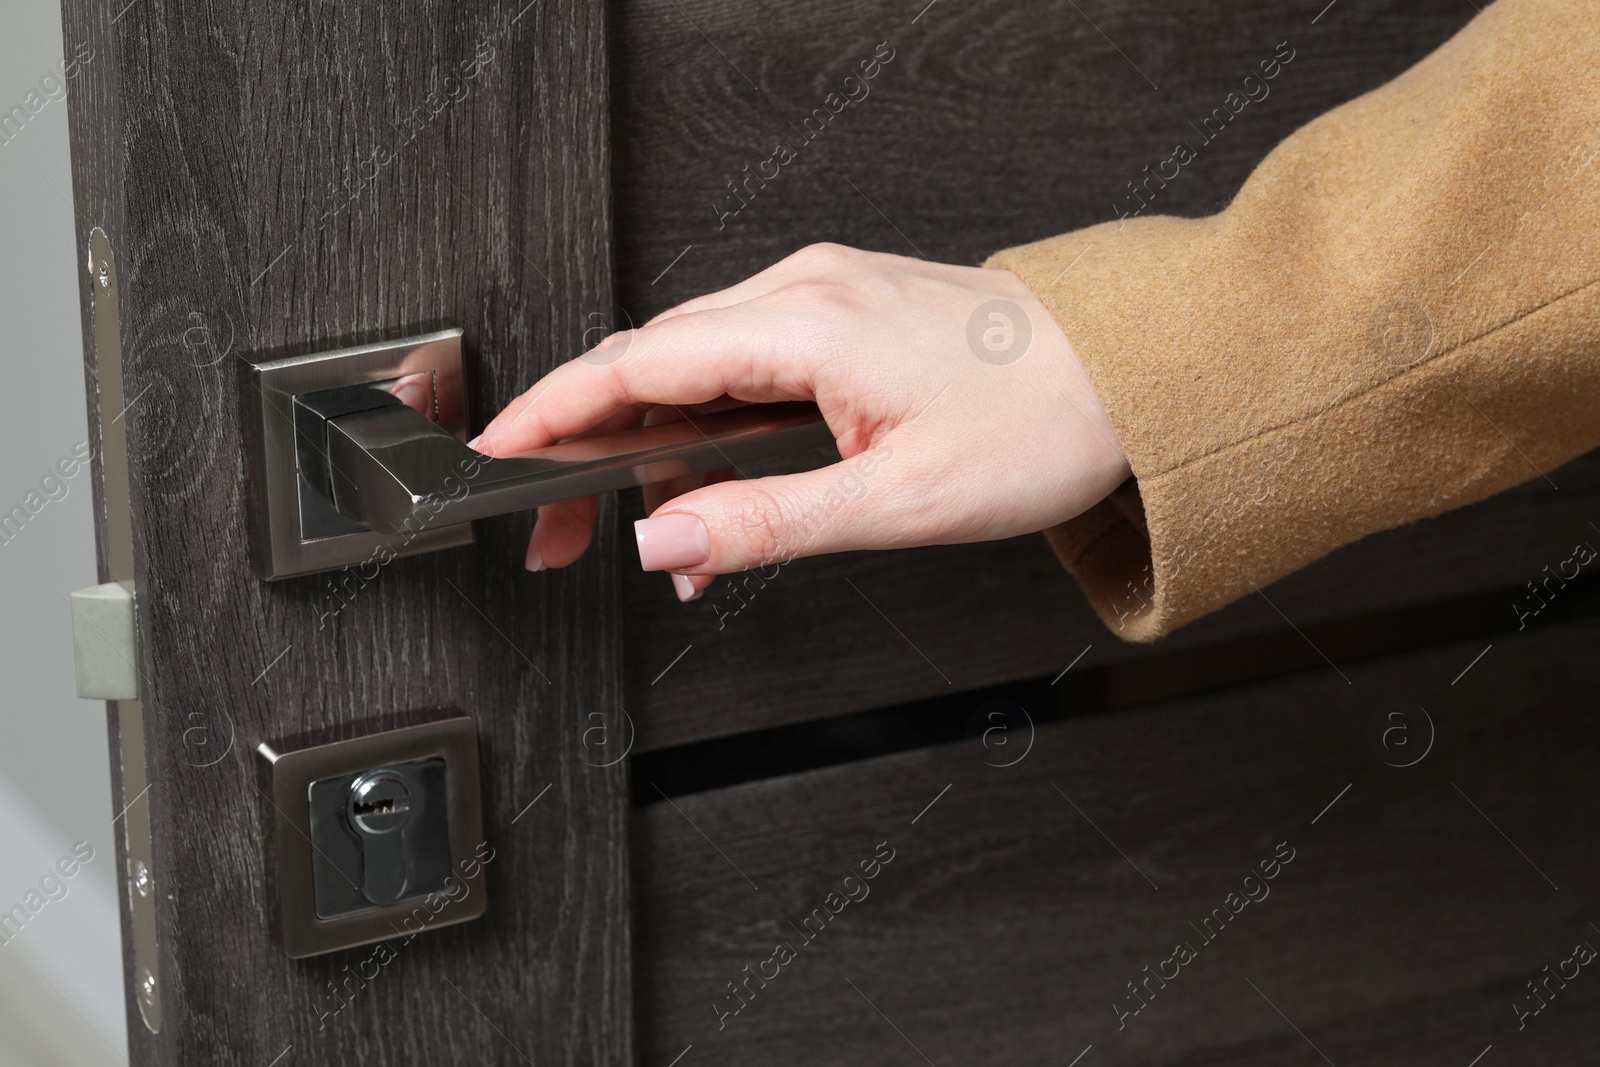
[366, 830]
[379, 837]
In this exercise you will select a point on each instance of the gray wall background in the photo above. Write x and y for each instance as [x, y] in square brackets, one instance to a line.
[61, 976]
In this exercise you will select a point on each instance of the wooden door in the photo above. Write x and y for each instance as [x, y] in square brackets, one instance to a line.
[290, 177]
[1031, 885]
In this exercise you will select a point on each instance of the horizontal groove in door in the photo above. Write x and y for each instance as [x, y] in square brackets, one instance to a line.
[993, 718]
[838, 634]
[1022, 899]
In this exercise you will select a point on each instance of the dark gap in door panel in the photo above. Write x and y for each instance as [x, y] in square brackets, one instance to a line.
[997, 716]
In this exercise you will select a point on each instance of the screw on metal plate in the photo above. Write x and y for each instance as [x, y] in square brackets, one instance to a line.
[147, 988]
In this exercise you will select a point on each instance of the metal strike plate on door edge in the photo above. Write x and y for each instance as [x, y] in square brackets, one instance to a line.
[359, 455]
[112, 609]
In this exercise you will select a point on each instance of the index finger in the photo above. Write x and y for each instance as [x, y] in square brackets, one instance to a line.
[751, 351]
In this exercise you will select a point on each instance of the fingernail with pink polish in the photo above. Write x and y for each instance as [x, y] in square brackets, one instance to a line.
[534, 560]
[475, 442]
[685, 588]
[672, 542]
[414, 395]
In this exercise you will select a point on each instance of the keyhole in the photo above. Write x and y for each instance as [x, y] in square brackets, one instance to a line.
[378, 809]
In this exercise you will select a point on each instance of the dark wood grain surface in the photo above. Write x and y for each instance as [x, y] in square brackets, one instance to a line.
[992, 125]
[835, 634]
[1022, 899]
[286, 176]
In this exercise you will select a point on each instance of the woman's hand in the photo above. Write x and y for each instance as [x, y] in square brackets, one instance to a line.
[959, 408]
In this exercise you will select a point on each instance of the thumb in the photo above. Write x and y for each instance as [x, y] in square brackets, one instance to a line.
[740, 525]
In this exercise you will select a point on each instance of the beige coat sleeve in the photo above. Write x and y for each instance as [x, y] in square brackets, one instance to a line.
[1398, 315]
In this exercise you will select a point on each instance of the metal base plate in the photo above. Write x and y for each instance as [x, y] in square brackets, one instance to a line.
[291, 530]
[285, 777]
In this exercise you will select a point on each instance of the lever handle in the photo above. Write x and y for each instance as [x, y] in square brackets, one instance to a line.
[393, 470]
[343, 472]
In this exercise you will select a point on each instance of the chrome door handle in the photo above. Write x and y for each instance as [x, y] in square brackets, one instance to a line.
[394, 470]
[358, 455]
